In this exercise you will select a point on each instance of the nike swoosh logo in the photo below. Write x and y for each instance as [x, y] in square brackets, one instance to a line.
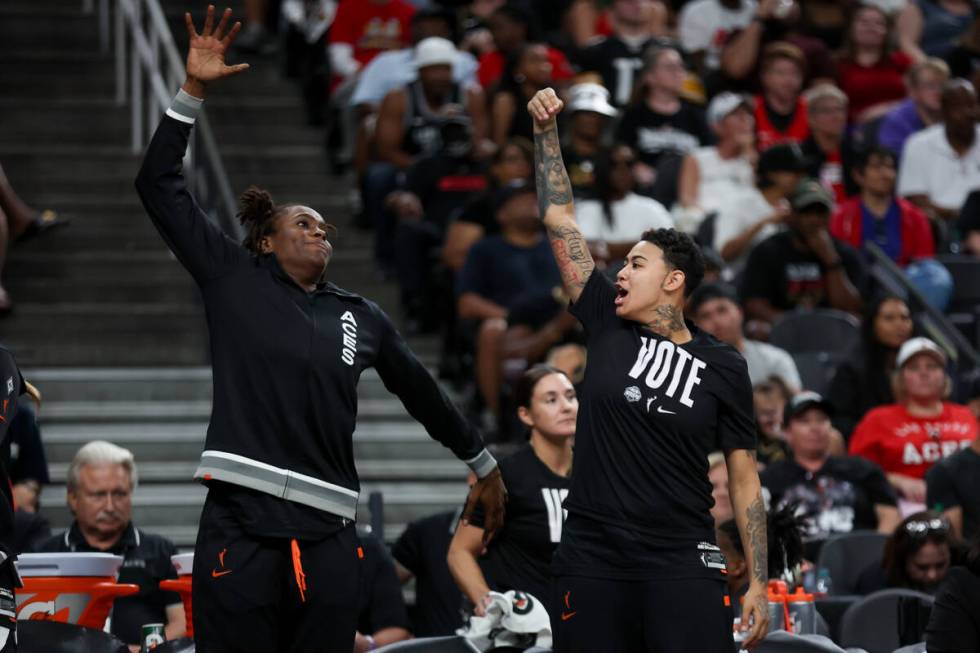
[661, 409]
[565, 616]
[218, 574]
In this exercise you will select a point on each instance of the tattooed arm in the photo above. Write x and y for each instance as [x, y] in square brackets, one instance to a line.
[750, 515]
[555, 196]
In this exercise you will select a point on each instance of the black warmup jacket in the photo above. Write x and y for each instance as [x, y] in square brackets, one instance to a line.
[285, 362]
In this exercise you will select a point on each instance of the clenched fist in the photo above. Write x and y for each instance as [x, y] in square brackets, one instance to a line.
[543, 107]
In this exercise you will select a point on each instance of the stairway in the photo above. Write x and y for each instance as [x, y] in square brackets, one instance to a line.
[109, 326]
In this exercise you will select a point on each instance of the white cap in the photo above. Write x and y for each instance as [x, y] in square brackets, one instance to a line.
[434, 51]
[723, 104]
[916, 346]
[589, 96]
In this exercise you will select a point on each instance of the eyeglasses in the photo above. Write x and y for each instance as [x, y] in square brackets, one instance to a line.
[920, 528]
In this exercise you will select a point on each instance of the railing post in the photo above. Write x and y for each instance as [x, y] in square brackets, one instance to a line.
[136, 90]
[152, 107]
[103, 26]
[120, 54]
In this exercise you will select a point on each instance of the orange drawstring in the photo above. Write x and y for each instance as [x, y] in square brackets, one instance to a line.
[298, 570]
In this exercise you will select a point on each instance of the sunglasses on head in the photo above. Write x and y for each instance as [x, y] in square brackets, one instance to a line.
[920, 528]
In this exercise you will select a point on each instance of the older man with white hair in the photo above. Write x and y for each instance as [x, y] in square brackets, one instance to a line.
[101, 480]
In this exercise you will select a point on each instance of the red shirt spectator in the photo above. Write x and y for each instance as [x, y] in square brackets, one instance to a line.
[372, 26]
[866, 86]
[492, 67]
[904, 444]
[768, 133]
[916, 237]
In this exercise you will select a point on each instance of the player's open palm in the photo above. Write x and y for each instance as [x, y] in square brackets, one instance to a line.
[206, 54]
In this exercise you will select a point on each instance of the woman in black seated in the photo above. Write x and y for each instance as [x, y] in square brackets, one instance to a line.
[863, 381]
[954, 625]
[538, 478]
[917, 556]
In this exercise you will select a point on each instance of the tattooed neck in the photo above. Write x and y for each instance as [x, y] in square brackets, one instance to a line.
[667, 320]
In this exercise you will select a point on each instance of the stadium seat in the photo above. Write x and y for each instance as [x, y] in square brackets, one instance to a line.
[877, 621]
[964, 308]
[822, 329]
[817, 369]
[846, 556]
[912, 648]
[431, 645]
[780, 641]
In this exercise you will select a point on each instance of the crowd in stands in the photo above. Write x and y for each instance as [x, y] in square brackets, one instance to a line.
[802, 143]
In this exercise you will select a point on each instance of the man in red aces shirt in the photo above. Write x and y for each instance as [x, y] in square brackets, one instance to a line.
[908, 437]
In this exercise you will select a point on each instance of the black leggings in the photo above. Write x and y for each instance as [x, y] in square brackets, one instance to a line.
[273, 595]
[651, 616]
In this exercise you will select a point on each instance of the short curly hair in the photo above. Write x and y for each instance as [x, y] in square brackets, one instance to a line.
[680, 253]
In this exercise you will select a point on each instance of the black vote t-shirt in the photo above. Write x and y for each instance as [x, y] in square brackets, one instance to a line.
[519, 557]
[422, 549]
[839, 497]
[650, 412]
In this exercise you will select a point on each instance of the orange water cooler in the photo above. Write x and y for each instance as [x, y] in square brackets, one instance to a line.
[184, 564]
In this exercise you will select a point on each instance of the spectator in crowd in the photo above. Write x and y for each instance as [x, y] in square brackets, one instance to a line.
[953, 487]
[363, 30]
[409, 128]
[590, 112]
[382, 618]
[19, 221]
[780, 110]
[922, 108]
[828, 150]
[420, 553]
[714, 307]
[436, 188]
[526, 73]
[618, 56]
[837, 494]
[704, 26]
[721, 510]
[713, 175]
[396, 69]
[931, 27]
[784, 532]
[864, 379]
[964, 58]
[507, 285]
[941, 164]
[804, 266]
[871, 70]
[968, 224]
[613, 222]
[908, 437]
[756, 213]
[878, 215]
[27, 463]
[953, 625]
[100, 483]
[917, 556]
[511, 27]
[769, 398]
[538, 478]
[775, 20]
[512, 162]
[659, 125]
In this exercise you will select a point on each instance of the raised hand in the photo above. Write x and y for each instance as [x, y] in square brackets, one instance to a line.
[544, 107]
[206, 54]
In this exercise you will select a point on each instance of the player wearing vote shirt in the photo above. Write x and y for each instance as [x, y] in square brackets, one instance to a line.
[637, 568]
[12, 386]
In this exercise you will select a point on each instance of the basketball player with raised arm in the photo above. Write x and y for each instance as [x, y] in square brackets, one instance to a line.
[637, 568]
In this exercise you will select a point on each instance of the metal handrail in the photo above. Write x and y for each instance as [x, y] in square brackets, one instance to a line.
[145, 46]
[938, 326]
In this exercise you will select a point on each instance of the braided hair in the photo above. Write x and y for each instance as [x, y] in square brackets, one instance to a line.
[257, 213]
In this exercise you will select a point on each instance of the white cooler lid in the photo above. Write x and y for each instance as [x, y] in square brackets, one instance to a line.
[68, 564]
[183, 563]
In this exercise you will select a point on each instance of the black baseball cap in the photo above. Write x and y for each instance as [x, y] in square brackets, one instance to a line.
[810, 193]
[782, 157]
[510, 190]
[804, 401]
[708, 291]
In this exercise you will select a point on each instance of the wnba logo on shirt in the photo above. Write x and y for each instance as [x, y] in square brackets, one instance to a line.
[556, 514]
[349, 326]
[663, 360]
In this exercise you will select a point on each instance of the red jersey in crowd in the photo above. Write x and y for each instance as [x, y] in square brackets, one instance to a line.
[492, 67]
[372, 27]
[905, 444]
[847, 224]
[866, 86]
[768, 134]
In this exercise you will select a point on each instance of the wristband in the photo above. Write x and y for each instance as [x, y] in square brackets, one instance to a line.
[185, 107]
[482, 464]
